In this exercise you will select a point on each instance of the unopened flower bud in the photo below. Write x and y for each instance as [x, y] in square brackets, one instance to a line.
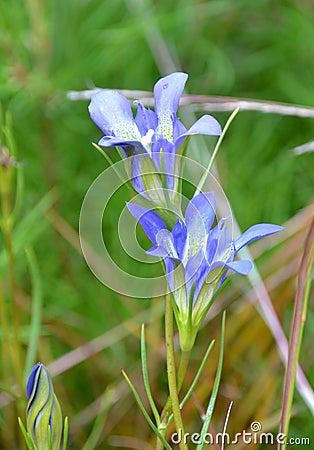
[43, 414]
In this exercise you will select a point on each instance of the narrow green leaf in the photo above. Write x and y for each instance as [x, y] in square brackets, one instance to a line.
[212, 400]
[221, 137]
[34, 331]
[125, 174]
[19, 193]
[27, 438]
[145, 377]
[25, 232]
[7, 131]
[97, 429]
[65, 433]
[196, 378]
[146, 415]
[103, 153]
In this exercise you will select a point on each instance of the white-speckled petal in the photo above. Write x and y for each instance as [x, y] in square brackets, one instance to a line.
[167, 93]
[112, 113]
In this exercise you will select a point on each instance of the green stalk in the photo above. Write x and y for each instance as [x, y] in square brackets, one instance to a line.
[36, 311]
[296, 333]
[5, 185]
[6, 342]
[171, 371]
[191, 388]
[166, 412]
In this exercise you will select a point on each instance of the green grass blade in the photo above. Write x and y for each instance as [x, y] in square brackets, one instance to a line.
[19, 193]
[25, 232]
[196, 378]
[145, 377]
[27, 438]
[146, 415]
[103, 153]
[296, 333]
[37, 302]
[98, 427]
[211, 404]
[212, 159]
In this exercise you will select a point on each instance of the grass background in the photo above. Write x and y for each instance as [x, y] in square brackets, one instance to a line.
[259, 50]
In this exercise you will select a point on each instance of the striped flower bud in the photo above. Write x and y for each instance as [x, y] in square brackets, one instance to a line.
[43, 414]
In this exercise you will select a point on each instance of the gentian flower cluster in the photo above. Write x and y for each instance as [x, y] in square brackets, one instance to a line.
[197, 256]
[155, 137]
[197, 248]
[43, 414]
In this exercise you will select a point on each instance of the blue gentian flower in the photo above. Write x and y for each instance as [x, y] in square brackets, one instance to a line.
[154, 135]
[43, 414]
[197, 256]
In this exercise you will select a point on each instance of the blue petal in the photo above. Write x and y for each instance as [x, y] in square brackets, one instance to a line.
[194, 270]
[165, 159]
[199, 216]
[160, 147]
[200, 213]
[178, 129]
[179, 234]
[225, 246]
[205, 125]
[256, 232]
[149, 220]
[137, 176]
[243, 267]
[165, 245]
[171, 168]
[200, 280]
[112, 141]
[158, 251]
[31, 379]
[112, 113]
[137, 179]
[167, 93]
[145, 119]
[211, 246]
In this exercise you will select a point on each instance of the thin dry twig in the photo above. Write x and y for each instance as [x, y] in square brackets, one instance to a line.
[308, 147]
[210, 103]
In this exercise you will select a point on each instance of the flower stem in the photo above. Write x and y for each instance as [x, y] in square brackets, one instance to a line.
[184, 361]
[171, 371]
[6, 220]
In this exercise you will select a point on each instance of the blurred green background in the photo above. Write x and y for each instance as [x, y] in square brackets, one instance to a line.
[259, 49]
